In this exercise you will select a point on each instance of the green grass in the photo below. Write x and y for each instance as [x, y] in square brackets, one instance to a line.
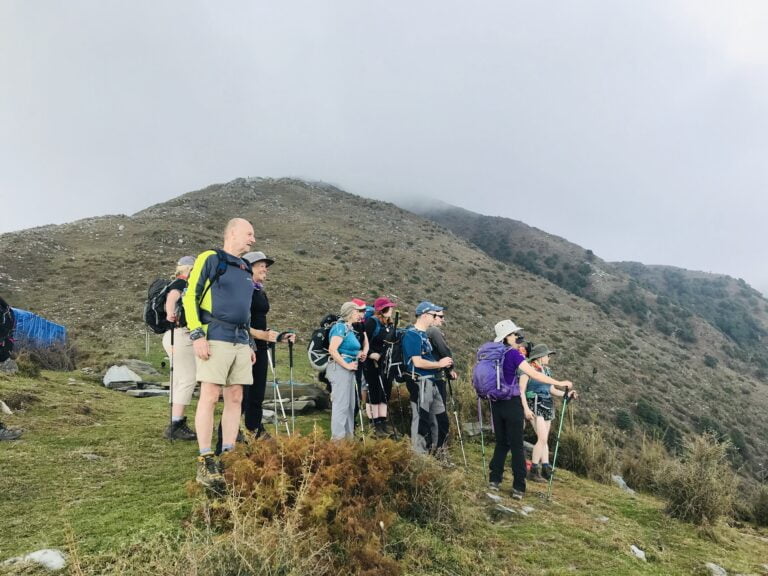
[136, 495]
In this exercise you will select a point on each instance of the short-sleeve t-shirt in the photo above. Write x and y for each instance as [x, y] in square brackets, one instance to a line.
[416, 343]
[512, 360]
[350, 345]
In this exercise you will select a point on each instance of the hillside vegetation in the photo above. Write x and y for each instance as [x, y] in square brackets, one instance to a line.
[705, 320]
[93, 477]
[329, 246]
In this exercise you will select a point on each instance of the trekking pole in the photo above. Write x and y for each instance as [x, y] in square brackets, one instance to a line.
[170, 409]
[456, 417]
[389, 367]
[277, 396]
[482, 436]
[360, 409]
[290, 379]
[557, 445]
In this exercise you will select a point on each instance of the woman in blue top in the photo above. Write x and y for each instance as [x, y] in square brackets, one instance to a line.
[539, 410]
[345, 350]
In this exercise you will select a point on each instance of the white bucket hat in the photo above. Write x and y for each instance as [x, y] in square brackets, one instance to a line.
[504, 329]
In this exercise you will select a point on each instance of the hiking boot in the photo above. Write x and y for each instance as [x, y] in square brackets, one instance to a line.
[9, 433]
[517, 495]
[179, 431]
[380, 430]
[494, 486]
[262, 434]
[208, 473]
[546, 471]
[534, 474]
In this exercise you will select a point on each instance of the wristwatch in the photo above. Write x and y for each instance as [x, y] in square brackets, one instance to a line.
[196, 334]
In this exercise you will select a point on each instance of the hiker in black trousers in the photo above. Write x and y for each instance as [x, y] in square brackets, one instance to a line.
[509, 415]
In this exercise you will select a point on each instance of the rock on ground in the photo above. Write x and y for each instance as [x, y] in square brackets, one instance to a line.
[49, 558]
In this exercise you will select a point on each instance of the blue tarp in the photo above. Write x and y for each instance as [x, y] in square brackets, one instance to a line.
[36, 330]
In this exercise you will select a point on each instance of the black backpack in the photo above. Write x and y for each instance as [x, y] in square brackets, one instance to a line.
[154, 307]
[317, 349]
[396, 367]
[7, 324]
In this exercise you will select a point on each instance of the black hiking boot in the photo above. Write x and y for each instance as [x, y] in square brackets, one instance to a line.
[179, 431]
[9, 433]
[208, 474]
[546, 471]
[380, 430]
[534, 475]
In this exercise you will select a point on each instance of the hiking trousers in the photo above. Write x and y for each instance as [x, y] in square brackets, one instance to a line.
[253, 396]
[343, 400]
[422, 439]
[508, 425]
[433, 423]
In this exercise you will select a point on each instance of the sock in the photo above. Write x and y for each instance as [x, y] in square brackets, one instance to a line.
[206, 452]
[227, 447]
[177, 418]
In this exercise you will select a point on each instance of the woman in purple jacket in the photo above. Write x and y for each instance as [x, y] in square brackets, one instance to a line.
[509, 415]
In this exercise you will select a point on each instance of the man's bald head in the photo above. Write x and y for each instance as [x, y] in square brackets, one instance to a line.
[238, 236]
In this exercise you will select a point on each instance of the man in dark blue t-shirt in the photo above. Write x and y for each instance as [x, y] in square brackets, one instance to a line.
[423, 367]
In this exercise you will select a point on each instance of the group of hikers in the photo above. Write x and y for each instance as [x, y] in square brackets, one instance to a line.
[218, 336]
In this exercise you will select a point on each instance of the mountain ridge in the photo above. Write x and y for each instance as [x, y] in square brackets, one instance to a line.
[330, 245]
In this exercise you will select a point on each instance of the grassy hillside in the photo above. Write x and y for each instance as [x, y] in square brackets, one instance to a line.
[91, 476]
[329, 246]
[706, 321]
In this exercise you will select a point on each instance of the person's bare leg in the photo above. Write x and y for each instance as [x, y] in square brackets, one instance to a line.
[230, 417]
[209, 395]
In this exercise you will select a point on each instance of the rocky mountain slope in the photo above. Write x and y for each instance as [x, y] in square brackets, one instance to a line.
[329, 246]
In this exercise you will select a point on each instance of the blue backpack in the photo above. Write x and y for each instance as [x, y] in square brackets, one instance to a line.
[488, 374]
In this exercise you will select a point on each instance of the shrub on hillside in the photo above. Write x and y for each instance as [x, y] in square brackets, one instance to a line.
[642, 470]
[585, 451]
[760, 508]
[341, 499]
[624, 421]
[59, 356]
[700, 488]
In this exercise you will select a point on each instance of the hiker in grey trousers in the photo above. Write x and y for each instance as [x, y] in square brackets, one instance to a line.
[345, 350]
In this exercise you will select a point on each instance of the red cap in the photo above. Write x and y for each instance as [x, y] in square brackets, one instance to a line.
[382, 303]
[360, 303]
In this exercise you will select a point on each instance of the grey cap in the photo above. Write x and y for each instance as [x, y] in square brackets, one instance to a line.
[186, 261]
[348, 307]
[253, 257]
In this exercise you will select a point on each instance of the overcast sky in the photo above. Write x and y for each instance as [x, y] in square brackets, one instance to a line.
[636, 129]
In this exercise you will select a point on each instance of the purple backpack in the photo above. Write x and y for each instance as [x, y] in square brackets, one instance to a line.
[488, 374]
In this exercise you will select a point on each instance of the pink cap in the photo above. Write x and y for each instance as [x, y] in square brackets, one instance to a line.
[382, 303]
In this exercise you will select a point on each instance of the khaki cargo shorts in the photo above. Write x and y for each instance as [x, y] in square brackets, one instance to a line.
[184, 366]
[227, 364]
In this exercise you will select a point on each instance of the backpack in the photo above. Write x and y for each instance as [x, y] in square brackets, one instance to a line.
[317, 349]
[396, 367]
[154, 307]
[488, 373]
[7, 324]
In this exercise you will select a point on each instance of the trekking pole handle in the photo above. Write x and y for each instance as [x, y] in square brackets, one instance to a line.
[290, 352]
